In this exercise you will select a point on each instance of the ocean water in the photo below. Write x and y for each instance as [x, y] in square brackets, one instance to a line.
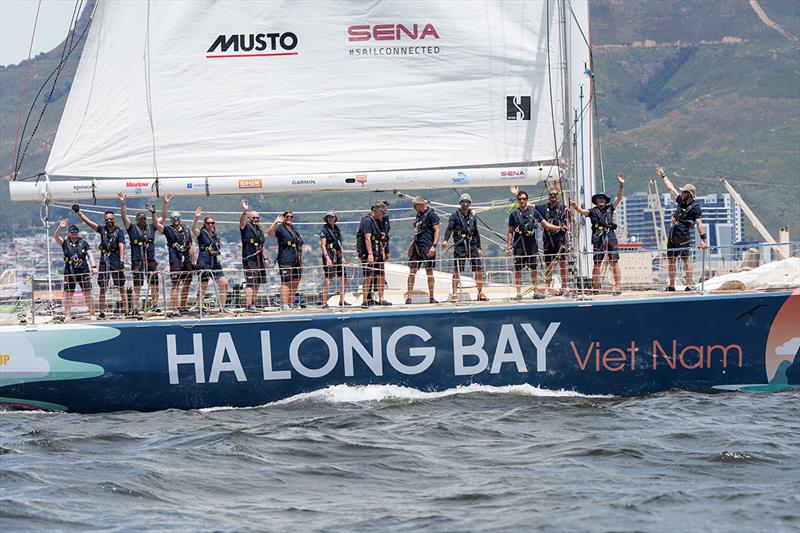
[396, 459]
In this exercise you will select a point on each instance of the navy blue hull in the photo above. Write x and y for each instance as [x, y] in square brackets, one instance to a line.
[624, 347]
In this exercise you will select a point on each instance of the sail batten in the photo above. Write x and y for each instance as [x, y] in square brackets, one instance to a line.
[208, 88]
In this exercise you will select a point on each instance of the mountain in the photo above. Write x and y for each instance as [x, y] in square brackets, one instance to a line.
[708, 89]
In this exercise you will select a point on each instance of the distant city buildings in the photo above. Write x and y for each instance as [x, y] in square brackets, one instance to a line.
[722, 217]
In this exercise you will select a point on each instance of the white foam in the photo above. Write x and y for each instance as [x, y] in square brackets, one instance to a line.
[377, 393]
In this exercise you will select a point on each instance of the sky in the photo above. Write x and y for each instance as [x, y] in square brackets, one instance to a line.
[16, 25]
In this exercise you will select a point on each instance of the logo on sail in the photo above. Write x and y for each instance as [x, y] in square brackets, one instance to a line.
[518, 107]
[409, 39]
[361, 178]
[253, 45]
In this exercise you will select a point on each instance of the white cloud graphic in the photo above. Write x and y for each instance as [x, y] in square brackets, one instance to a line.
[23, 362]
[789, 347]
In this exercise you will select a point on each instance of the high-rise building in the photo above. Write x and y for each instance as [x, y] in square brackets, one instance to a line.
[722, 217]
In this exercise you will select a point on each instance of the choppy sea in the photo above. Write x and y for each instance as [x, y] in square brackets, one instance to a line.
[387, 458]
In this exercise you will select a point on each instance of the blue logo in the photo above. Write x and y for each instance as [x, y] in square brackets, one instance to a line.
[460, 179]
[188, 185]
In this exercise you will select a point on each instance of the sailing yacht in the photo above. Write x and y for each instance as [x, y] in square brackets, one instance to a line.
[204, 98]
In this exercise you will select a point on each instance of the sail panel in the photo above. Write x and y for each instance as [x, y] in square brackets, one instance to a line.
[204, 88]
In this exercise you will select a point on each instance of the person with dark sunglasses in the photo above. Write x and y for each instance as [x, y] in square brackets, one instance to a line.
[290, 256]
[208, 251]
[254, 255]
[144, 267]
[181, 255]
[112, 250]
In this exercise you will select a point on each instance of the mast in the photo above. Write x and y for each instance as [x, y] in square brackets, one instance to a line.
[579, 106]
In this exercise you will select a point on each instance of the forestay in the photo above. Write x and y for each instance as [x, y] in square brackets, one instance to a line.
[202, 88]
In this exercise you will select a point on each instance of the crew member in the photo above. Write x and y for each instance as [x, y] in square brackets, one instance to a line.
[384, 225]
[604, 240]
[208, 251]
[78, 258]
[112, 250]
[687, 215]
[521, 240]
[290, 255]
[143, 254]
[554, 217]
[333, 260]
[463, 225]
[372, 253]
[422, 251]
[254, 255]
[181, 254]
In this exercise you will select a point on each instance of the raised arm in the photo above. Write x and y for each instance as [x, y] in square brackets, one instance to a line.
[621, 180]
[245, 210]
[123, 211]
[77, 209]
[701, 230]
[164, 207]
[121, 245]
[57, 234]
[579, 209]
[274, 225]
[197, 214]
[667, 183]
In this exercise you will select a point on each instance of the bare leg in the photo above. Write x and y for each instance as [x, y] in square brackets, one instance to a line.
[68, 304]
[671, 271]
[456, 280]
[102, 299]
[293, 286]
[367, 285]
[431, 282]
[617, 276]
[326, 285]
[518, 281]
[343, 288]
[202, 296]
[284, 291]
[123, 296]
[381, 285]
[137, 289]
[687, 267]
[412, 276]
[222, 283]
[479, 281]
[87, 295]
[153, 295]
[185, 291]
[534, 279]
[564, 273]
[596, 275]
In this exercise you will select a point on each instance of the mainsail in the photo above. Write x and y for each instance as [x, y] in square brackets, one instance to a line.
[329, 95]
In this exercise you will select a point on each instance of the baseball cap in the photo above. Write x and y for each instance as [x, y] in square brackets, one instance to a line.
[465, 198]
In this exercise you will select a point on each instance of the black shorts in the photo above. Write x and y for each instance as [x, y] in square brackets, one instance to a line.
[208, 272]
[419, 259]
[290, 273]
[611, 250]
[255, 270]
[82, 278]
[521, 262]
[377, 268]
[461, 259]
[336, 270]
[555, 251]
[180, 270]
[117, 276]
[679, 248]
[138, 269]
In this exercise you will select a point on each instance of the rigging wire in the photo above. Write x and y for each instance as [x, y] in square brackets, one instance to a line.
[24, 84]
[66, 52]
[149, 97]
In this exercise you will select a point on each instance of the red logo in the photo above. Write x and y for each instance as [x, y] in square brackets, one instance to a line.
[361, 178]
[252, 183]
[390, 32]
[512, 173]
[137, 184]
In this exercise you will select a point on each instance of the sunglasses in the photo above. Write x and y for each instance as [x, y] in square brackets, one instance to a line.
[175, 218]
[522, 198]
[256, 218]
[465, 202]
[289, 216]
[109, 220]
[211, 223]
[142, 219]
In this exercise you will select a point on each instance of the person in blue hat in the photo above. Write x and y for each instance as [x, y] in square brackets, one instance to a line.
[78, 259]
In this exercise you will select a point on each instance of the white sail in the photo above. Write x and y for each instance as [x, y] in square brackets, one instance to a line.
[241, 89]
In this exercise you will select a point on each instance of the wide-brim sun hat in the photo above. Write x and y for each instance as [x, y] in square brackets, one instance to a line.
[691, 189]
[600, 195]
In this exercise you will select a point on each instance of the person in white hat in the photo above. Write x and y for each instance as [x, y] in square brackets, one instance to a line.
[463, 225]
[688, 214]
[330, 240]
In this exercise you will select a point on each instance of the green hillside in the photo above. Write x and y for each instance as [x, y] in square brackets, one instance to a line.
[705, 88]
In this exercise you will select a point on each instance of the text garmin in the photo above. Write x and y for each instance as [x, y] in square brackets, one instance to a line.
[425, 36]
[406, 350]
[254, 44]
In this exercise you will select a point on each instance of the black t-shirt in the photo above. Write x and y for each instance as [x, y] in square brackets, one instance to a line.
[523, 226]
[142, 239]
[424, 229]
[333, 242]
[464, 229]
[685, 217]
[602, 219]
[178, 243]
[369, 225]
[290, 245]
[110, 239]
[208, 249]
[252, 241]
[75, 256]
